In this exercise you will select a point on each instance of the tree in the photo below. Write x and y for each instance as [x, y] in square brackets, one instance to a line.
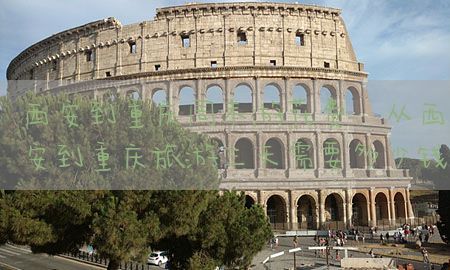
[444, 196]
[122, 211]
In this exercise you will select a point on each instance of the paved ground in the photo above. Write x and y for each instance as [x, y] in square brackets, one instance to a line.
[17, 258]
[307, 259]
[20, 258]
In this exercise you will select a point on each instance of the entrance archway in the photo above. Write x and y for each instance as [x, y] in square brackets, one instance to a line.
[381, 207]
[334, 210]
[249, 201]
[359, 210]
[306, 212]
[399, 205]
[276, 211]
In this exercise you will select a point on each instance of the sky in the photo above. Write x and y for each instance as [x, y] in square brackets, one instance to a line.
[405, 46]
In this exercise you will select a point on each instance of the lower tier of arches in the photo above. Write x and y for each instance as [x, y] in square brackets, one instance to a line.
[333, 208]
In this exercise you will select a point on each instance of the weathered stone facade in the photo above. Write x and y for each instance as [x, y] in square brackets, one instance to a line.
[254, 48]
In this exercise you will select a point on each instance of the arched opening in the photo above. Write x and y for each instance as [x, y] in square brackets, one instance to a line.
[109, 96]
[274, 154]
[328, 100]
[214, 99]
[306, 212]
[352, 104]
[244, 154]
[356, 153]
[133, 95]
[334, 210]
[304, 154]
[300, 99]
[159, 97]
[276, 210]
[249, 201]
[399, 205]
[331, 154]
[271, 98]
[186, 99]
[219, 149]
[243, 99]
[378, 155]
[381, 207]
[359, 210]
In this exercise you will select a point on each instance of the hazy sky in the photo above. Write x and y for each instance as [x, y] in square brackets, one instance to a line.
[399, 41]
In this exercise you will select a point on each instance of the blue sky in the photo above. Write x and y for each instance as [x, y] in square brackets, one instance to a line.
[399, 41]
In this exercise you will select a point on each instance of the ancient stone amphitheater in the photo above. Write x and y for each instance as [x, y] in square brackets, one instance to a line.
[277, 85]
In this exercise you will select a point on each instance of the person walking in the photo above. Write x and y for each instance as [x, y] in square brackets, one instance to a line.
[295, 241]
[425, 255]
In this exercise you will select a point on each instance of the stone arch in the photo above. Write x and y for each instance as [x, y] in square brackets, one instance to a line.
[379, 162]
[334, 207]
[381, 206]
[275, 154]
[159, 97]
[109, 95]
[301, 99]
[357, 154]
[331, 154]
[328, 100]
[360, 215]
[214, 99]
[399, 205]
[133, 94]
[244, 154]
[304, 154]
[243, 98]
[272, 97]
[219, 149]
[276, 210]
[186, 97]
[249, 201]
[306, 212]
[352, 101]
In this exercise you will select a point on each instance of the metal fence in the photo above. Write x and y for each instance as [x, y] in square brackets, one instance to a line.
[382, 225]
[95, 258]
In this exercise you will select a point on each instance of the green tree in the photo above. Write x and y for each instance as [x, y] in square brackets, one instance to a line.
[121, 211]
[444, 196]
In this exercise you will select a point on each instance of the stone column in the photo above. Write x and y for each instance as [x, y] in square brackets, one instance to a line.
[143, 56]
[345, 149]
[368, 144]
[78, 57]
[256, 98]
[373, 214]
[316, 100]
[290, 150]
[319, 153]
[118, 67]
[340, 96]
[391, 199]
[259, 162]
[348, 202]
[363, 101]
[228, 97]
[172, 99]
[409, 212]
[388, 157]
[321, 207]
[287, 98]
[292, 208]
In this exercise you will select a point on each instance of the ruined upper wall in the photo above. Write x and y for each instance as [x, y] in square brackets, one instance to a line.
[213, 31]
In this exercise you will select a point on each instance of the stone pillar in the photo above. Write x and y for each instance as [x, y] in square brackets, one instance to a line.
[256, 97]
[319, 153]
[373, 214]
[363, 99]
[409, 212]
[287, 98]
[143, 57]
[368, 144]
[118, 67]
[316, 99]
[172, 99]
[346, 155]
[78, 57]
[340, 102]
[388, 157]
[259, 162]
[321, 208]
[292, 212]
[391, 199]
[290, 150]
[228, 97]
[348, 203]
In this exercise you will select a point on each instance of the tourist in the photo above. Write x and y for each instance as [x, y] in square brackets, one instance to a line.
[425, 255]
[295, 241]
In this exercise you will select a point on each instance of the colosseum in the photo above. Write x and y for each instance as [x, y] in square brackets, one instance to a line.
[277, 86]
